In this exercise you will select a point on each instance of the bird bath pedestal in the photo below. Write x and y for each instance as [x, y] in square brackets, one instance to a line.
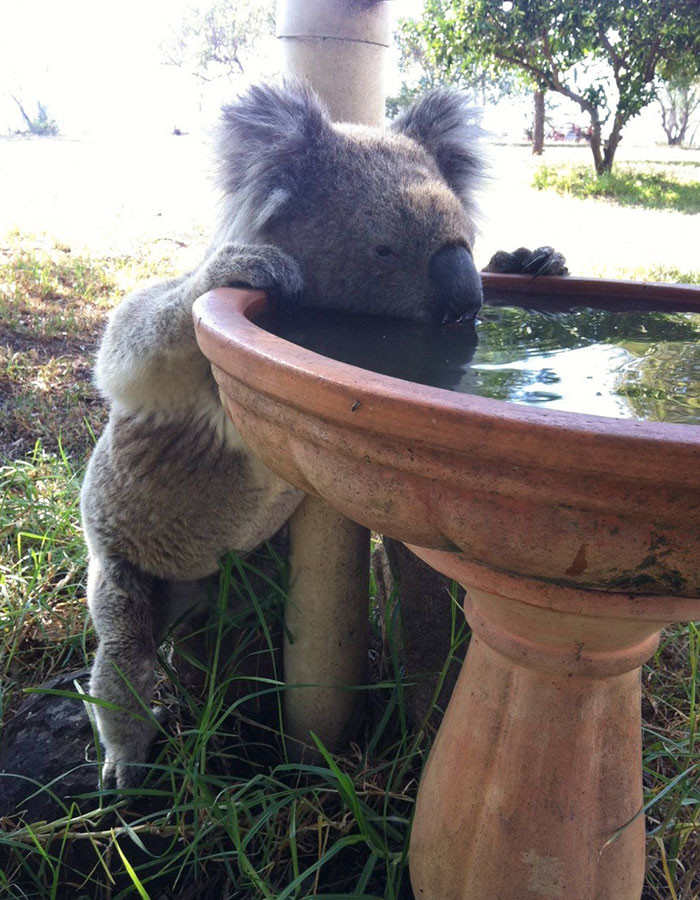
[577, 539]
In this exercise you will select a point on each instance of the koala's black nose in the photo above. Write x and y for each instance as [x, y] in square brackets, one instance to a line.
[458, 283]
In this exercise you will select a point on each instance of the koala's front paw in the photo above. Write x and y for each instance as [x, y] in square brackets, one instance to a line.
[543, 261]
[264, 267]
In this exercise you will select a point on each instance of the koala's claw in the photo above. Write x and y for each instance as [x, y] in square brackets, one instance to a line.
[108, 781]
[161, 715]
[124, 763]
[121, 776]
[542, 261]
[258, 266]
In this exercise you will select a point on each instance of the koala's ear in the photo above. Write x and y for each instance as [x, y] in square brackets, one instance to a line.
[444, 124]
[269, 142]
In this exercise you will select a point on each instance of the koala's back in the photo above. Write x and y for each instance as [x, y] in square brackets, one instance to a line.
[172, 497]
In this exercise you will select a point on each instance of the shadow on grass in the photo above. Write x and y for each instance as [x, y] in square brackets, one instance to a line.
[624, 186]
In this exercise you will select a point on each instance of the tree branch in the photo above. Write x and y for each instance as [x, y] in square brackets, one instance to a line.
[26, 118]
[615, 58]
[521, 64]
[650, 67]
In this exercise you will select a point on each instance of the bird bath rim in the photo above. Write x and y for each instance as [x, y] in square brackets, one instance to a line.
[257, 347]
[581, 501]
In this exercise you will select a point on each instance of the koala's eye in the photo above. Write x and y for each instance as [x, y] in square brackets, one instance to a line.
[383, 251]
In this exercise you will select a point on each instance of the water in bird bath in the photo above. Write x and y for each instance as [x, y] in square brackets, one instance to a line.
[640, 364]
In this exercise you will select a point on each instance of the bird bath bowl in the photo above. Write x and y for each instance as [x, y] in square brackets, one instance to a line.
[577, 539]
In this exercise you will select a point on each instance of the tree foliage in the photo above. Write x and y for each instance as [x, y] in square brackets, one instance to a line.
[219, 37]
[423, 69]
[602, 54]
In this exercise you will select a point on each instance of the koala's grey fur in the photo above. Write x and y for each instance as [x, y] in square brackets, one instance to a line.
[314, 213]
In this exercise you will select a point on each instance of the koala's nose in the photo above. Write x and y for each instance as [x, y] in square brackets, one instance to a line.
[458, 283]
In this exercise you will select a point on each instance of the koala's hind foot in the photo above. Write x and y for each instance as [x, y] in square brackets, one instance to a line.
[543, 261]
[121, 604]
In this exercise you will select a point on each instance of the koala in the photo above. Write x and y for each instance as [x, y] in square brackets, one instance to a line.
[316, 214]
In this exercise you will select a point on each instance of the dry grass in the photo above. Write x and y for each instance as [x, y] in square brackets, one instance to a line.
[53, 304]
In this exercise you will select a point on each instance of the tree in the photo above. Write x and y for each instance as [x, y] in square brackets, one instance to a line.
[679, 99]
[42, 124]
[424, 70]
[538, 124]
[219, 38]
[602, 54]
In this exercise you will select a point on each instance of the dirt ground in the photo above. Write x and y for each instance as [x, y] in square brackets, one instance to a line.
[107, 198]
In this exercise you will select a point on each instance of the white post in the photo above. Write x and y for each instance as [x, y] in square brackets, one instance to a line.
[338, 47]
[327, 616]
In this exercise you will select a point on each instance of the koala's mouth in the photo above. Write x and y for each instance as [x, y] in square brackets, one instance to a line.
[456, 282]
[466, 318]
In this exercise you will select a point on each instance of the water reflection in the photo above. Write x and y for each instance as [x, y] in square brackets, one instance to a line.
[438, 355]
[625, 364]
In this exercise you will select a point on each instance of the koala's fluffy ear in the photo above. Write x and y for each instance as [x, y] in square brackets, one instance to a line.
[444, 124]
[269, 142]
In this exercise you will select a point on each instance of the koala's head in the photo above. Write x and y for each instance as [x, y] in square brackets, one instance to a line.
[380, 221]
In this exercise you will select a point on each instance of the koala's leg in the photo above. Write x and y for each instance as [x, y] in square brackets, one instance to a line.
[121, 598]
[542, 261]
[189, 608]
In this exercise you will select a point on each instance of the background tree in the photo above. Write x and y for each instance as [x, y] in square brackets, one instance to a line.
[42, 123]
[679, 99]
[602, 54]
[423, 70]
[219, 38]
[538, 124]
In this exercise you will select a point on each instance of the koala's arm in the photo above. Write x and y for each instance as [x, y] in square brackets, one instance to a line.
[149, 360]
[543, 261]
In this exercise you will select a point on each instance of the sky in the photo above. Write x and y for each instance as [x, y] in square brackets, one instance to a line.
[97, 65]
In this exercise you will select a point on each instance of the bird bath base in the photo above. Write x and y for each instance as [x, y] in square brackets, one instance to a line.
[533, 786]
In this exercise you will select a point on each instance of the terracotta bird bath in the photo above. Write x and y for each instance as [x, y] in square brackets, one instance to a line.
[577, 538]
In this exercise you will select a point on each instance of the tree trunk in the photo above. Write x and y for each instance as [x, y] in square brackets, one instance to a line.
[30, 124]
[605, 164]
[611, 146]
[677, 105]
[596, 141]
[679, 137]
[538, 125]
[604, 151]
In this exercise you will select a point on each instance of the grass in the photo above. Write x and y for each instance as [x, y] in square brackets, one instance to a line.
[42, 615]
[671, 735]
[227, 810]
[47, 339]
[658, 273]
[650, 186]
